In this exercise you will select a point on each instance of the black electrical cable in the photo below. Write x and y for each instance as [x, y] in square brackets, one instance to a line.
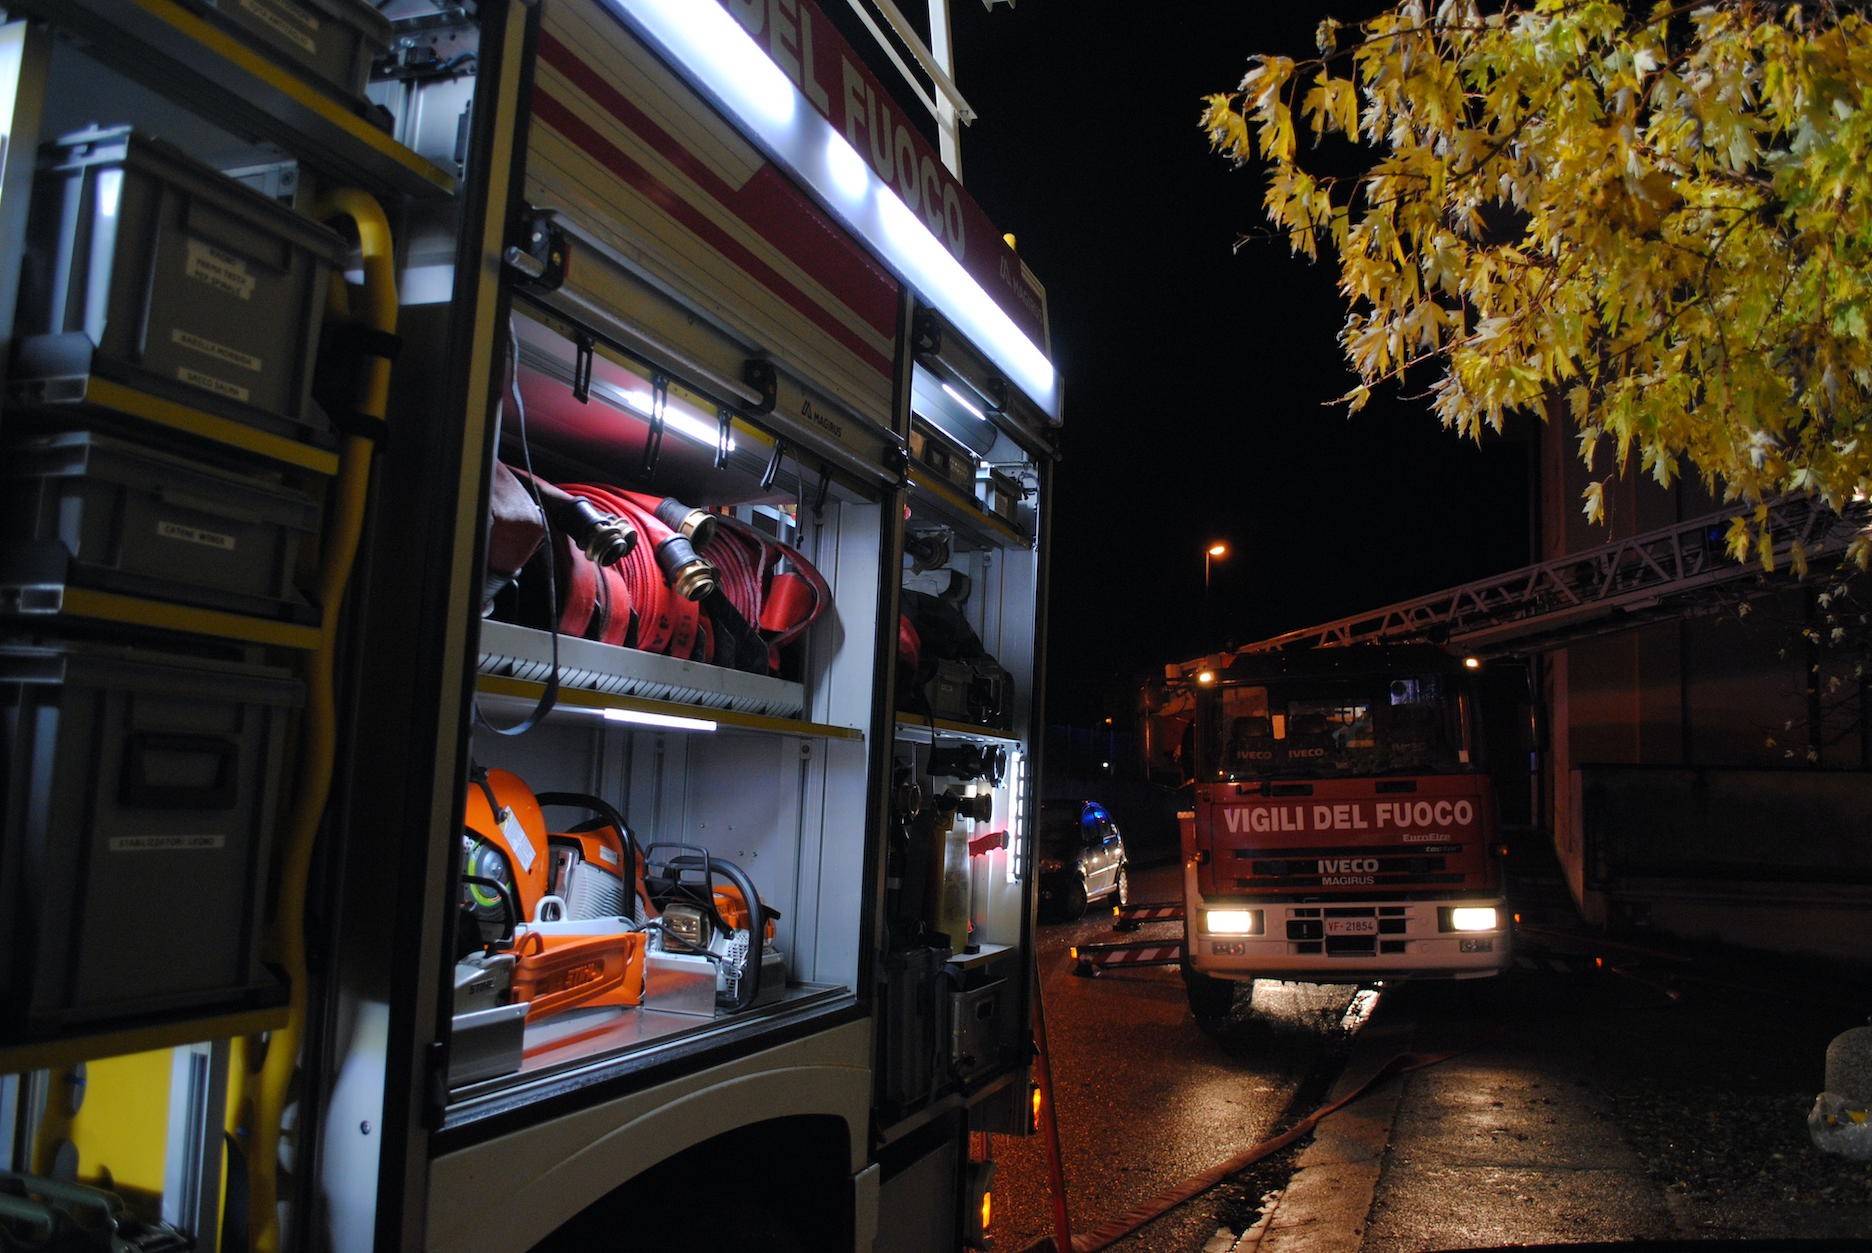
[688, 945]
[693, 858]
[510, 904]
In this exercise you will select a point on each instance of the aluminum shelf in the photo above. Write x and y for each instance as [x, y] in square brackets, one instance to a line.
[516, 662]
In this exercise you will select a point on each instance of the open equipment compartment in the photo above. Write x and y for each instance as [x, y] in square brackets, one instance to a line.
[446, 986]
[959, 929]
[725, 739]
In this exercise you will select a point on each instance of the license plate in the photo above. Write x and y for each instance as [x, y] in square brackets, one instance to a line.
[1351, 926]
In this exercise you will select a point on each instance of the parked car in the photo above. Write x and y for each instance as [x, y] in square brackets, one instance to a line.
[1082, 858]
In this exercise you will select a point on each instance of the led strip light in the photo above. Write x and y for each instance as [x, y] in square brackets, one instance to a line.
[711, 47]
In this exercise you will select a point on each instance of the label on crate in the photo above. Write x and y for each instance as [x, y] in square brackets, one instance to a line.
[295, 25]
[220, 352]
[195, 535]
[208, 382]
[220, 270]
[166, 843]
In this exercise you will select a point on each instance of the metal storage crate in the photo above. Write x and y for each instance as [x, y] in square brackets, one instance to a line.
[914, 1025]
[330, 41]
[138, 802]
[999, 493]
[94, 510]
[155, 271]
[947, 458]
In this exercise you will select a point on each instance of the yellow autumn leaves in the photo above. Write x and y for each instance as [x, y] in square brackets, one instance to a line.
[1652, 224]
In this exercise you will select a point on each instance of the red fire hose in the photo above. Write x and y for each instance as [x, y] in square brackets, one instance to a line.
[653, 598]
[667, 619]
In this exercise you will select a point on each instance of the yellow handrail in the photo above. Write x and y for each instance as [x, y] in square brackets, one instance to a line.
[267, 1066]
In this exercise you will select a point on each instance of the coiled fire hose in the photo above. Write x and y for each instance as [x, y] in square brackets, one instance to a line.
[264, 1077]
[698, 585]
[788, 602]
[663, 575]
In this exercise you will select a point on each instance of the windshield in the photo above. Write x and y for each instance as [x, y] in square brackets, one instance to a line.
[1315, 727]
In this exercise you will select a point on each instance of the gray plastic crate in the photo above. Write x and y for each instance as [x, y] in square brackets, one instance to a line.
[153, 270]
[332, 42]
[97, 511]
[139, 801]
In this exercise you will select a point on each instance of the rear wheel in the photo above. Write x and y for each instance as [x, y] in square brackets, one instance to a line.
[1121, 894]
[1072, 898]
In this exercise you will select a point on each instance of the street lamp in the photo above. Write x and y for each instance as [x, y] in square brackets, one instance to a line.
[1211, 555]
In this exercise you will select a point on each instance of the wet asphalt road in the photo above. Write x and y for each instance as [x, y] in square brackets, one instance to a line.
[1146, 1098]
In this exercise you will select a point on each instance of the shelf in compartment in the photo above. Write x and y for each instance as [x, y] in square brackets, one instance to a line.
[516, 661]
[44, 602]
[77, 398]
[918, 729]
[982, 956]
[119, 1040]
[163, 45]
[588, 1046]
[943, 498]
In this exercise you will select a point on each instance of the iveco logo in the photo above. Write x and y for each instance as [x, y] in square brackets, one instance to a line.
[1348, 865]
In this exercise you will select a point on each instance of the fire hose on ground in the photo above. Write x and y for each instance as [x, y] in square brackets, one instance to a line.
[1108, 1233]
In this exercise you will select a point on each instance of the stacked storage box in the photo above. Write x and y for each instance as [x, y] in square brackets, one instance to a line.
[951, 462]
[331, 42]
[98, 510]
[146, 268]
[999, 493]
[142, 782]
[140, 801]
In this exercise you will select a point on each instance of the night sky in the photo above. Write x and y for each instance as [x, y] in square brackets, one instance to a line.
[1197, 375]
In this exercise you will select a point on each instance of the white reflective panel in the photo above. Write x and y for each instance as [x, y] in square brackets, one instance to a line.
[724, 56]
[848, 170]
[713, 49]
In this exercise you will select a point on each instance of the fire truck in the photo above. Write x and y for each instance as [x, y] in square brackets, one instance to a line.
[1342, 825]
[522, 590]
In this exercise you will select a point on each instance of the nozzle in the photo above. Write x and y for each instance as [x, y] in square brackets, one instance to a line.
[968, 761]
[975, 808]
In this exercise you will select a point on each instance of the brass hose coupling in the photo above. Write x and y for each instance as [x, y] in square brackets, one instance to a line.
[687, 574]
[604, 537]
[695, 525]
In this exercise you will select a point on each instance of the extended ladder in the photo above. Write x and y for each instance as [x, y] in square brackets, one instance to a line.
[1611, 587]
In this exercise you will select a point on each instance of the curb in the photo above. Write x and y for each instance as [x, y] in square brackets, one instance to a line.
[1324, 1207]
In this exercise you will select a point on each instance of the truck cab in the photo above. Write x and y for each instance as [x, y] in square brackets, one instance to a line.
[1343, 825]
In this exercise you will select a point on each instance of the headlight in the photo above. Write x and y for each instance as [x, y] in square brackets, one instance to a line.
[1472, 918]
[1232, 921]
